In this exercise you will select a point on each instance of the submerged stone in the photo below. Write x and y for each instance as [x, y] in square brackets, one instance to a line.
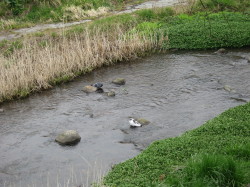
[228, 88]
[111, 94]
[119, 81]
[221, 51]
[143, 121]
[69, 137]
[89, 89]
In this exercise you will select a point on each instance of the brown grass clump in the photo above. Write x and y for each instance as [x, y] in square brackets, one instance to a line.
[40, 63]
[76, 12]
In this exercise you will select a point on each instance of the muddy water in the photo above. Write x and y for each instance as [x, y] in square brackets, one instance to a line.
[150, 4]
[176, 92]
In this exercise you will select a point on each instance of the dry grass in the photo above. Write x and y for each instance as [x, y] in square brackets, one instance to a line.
[186, 7]
[7, 23]
[76, 12]
[38, 63]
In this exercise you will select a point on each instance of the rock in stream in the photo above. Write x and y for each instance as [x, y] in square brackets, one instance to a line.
[69, 137]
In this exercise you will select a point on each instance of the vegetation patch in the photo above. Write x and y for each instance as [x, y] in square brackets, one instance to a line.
[200, 31]
[215, 154]
[44, 59]
[22, 13]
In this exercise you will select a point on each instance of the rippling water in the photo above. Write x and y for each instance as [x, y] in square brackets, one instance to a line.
[176, 92]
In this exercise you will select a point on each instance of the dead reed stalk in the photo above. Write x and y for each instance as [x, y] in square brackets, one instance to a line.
[38, 64]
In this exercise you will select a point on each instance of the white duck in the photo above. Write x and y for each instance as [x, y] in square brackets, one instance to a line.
[134, 123]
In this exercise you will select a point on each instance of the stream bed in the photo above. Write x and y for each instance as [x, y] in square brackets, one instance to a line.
[176, 91]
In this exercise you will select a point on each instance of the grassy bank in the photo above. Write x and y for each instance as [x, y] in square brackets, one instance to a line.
[42, 60]
[24, 13]
[215, 154]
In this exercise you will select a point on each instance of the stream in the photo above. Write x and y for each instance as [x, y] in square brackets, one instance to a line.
[176, 91]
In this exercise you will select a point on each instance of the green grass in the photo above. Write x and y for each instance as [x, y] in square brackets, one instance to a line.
[199, 30]
[208, 170]
[184, 31]
[28, 12]
[215, 154]
[222, 5]
[224, 29]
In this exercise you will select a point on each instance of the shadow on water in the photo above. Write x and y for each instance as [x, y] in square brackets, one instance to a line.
[176, 92]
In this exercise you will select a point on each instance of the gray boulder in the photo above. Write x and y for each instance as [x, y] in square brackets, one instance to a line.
[89, 89]
[119, 81]
[69, 137]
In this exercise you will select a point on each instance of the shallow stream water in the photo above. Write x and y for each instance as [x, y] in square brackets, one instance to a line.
[177, 92]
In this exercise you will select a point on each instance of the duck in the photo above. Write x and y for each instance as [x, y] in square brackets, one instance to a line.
[134, 123]
[97, 85]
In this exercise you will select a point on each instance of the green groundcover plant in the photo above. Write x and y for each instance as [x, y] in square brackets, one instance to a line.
[215, 154]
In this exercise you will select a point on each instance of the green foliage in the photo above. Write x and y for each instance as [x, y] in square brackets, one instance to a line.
[44, 10]
[164, 13]
[211, 155]
[155, 14]
[146, 14]
[216, 30]
[240, 151]
[222, 5]
[124, 22]
[148, 28]
[3, 9]
[16, 6]
[208, 170]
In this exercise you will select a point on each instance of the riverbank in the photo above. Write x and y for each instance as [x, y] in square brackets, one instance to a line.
[43, 60]
[215, 154]
[17, 14]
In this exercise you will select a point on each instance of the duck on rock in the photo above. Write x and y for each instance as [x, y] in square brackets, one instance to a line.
[97, 85]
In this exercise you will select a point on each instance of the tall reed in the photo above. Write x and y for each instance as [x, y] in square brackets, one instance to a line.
[39, 64]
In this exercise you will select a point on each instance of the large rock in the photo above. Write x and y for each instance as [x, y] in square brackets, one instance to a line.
[143, 121]
[69, 137]
[89, 89]
[119, 81]
[1, 110]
